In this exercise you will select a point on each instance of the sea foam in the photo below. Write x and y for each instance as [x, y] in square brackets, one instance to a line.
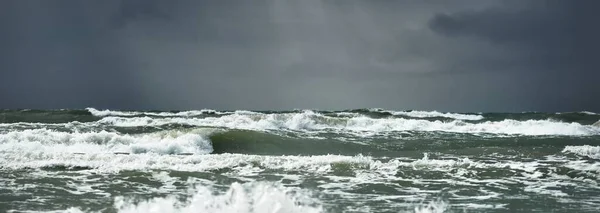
[251, 197]
[432, 114]
[585, 150]
[240, 198]
[310, 121]
[191, 113]
[50, 141]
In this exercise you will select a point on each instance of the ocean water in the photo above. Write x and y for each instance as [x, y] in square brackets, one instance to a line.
[366, 160]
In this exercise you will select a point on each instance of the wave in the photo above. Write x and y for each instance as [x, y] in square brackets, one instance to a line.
[432, 207]
[242, 198]
[196, 141]
[412, 113]
[252, 197]
[580, 112]
[181, 141]
[309, 121]
[253, 142]
[345, 171]
[45, 116]
[50, 141]
[91, 115]
[246, 198]
[359, 165]
[585, 150]
[357, 168]
[104, 113]
[54, 157]
[432, 114]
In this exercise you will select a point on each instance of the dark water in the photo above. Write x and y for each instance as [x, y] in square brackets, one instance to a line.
[366, 160]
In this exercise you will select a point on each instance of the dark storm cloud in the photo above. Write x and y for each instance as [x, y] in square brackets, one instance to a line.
[553, 44]
[273, 54]
[59, 54]
[551, 35]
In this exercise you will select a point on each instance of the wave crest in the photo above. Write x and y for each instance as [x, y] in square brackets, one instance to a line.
[309, 121]
[585, 150]
[192, 113]
[50, 141]
[431, 114]
[240, 198]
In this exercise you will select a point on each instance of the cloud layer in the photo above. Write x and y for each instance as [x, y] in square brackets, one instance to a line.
[156, 54]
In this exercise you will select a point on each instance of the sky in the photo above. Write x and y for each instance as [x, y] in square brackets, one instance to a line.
[460, 55]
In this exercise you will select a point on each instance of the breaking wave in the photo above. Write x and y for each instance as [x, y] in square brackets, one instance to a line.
[365, 160]
[432, 114]
[252, 197]
[240, 198]
[104, 113]
[309, 121]
[585, 150]
[50, 141]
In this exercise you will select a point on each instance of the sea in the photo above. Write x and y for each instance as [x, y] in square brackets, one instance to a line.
[301, 161]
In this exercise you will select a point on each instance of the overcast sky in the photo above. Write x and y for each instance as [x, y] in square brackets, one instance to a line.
[460, 55]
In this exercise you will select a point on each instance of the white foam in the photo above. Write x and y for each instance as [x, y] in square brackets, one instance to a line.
[551, 188]
[239, 198]
[431, 114]
[191, 113]
[309, 121]
[242, 164]
[252, 197]
[366, 170]
[43, 141]
[106, 112]
[166, 180]
[69, 210]
[347, 114]
[585, 150]
[585, 166]
[582, 112]
[432, 207]
[365, 167]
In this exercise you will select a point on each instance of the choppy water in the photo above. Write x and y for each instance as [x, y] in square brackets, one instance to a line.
[367, 160]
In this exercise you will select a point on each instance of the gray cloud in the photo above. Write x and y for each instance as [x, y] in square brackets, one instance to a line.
[551, 43]
[156, 54]
[548, 34]
[61, 54]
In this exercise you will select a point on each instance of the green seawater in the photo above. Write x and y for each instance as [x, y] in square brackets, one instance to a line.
[364, 160]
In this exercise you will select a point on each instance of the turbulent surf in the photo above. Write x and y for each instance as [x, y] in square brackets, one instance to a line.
[363, 160]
